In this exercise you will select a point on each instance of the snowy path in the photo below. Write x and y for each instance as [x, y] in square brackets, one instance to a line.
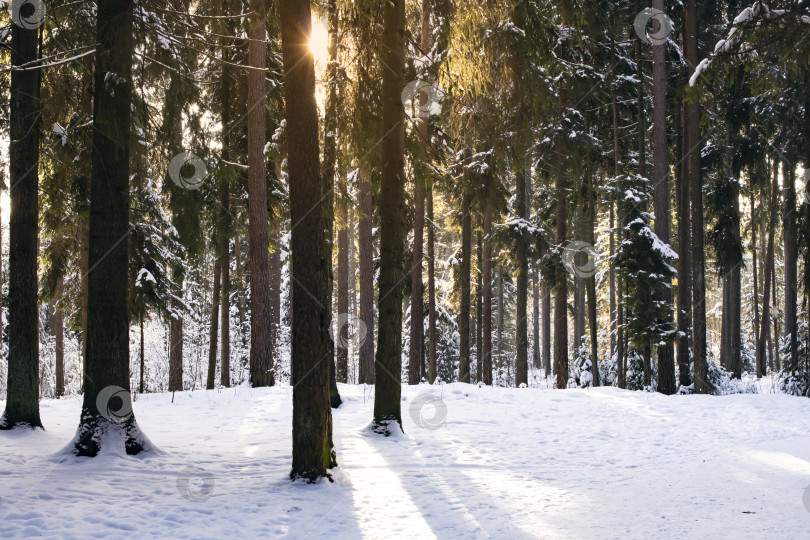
[506, 463]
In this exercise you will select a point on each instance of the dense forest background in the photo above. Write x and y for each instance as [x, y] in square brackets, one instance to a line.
[597, 193]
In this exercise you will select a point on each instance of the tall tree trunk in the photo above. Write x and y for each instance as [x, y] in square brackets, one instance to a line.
[522, 282]
[698, 256]
[464, 277]
[764, 331]
[590, 281]
[479, 306]
[344, 322]
[313, 451]
[662, 194]
[684, 314]
[176, 351]
[214, 326]
[546, 306]
[417, 349]
[261, 328]
[754, 270]
[775, 300]
[107, 416]
[431, 255]
[388, 388]
[141, 385]
[789, 224]
[366, 263]
[22, 402]
[499, 340]
[59, 337]
[486, 346]
[536, 358]
[561, 296]
[735, 301]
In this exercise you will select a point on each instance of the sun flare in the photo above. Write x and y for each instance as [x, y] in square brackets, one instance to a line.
[319, 41]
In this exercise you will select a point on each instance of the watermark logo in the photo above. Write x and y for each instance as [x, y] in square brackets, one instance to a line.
[580, 258]
[428, 411]
[195, 484]
[28, 14]
[653, 26]
[187, 171]
[412, 99]
[354, 326]
[115, 404]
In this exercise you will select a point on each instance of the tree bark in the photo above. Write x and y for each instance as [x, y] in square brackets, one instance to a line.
[684, 315]
[313, 451]
[522, 282]
[342, 345]
[261, 328]
[22, 389]
[661, 196]
[486, 347]
[431, 255]
[764, 331]
[366, 263]
[176, 351]
[789, 224]
[464, 301]
[546, 293]
[537, 361]
[561, 296]
[59, 338]
[107, 374]
[590, 281]
[698, 256]
[214, 326]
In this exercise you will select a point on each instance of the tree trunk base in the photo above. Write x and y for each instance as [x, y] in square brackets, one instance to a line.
[97, 434]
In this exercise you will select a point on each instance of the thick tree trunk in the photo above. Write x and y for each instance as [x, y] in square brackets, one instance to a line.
[107, 416]
[366, 263]
[313, 451]
[261, 328]
[22, 402]
[176, 351]
[789, 224]
[486, 346]
[388, 388]
[661, 195]
[214, 326]
[464, 277]
[561, 296]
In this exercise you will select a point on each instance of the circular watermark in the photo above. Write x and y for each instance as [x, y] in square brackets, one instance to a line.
[424, 403]
[412, 99]
[114, 403]
[572, 255]
[653, 26]
[354, 326]
[187, 171]
[195, 484]
[28, 14]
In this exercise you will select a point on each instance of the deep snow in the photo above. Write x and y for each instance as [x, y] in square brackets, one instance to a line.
[500, 463]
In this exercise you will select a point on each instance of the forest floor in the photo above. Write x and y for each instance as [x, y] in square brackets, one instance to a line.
[480, 463]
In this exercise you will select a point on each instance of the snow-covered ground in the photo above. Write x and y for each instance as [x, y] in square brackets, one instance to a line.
[500, 463]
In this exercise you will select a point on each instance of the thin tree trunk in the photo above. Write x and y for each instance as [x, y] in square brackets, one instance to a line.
[212, 332]
[366, 263]
[464, 277]
[22, 389]
[590, 281]
[561, 297]
[764, 332]
[754, 270]
[240, 297]
[141, 385]
[107, 417]
[775, 300]
[313, 452]
[499, 281]
[342, 345]
[536, 358]
[684, 314]
[176, 351]
[789, 224]
[479, 306]
[261, 329]
[698, 267]
[431, 255]
[546, 306]
[486, 347]
[59, 337]
[522, 205]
